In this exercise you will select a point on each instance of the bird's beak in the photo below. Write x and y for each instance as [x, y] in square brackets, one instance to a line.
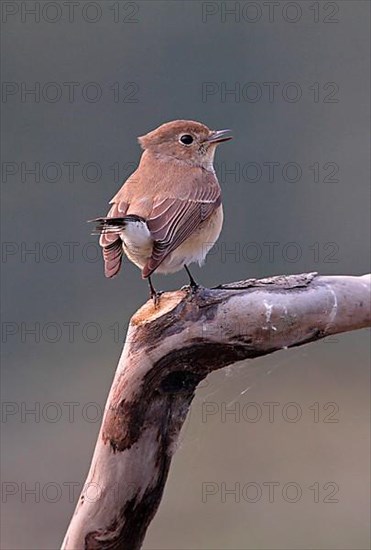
[218, 136]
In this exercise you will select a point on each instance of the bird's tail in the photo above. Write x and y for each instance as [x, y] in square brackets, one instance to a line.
[113, 225]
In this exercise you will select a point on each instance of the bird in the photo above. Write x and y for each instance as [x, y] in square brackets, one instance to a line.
[168, 213]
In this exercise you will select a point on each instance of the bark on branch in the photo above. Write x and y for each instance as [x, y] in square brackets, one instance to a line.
[167, 352]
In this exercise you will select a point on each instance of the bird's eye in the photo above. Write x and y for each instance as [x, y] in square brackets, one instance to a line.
[186, 139]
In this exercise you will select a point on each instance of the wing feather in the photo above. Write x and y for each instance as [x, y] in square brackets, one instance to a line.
[173, 220]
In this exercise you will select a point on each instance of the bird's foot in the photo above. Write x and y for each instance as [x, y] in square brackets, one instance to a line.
[191, 289]
[193, 286]
[155, 296]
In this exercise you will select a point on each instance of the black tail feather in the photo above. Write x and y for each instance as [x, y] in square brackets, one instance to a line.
[113, 225]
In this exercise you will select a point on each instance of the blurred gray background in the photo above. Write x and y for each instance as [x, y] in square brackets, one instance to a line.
[292, 81]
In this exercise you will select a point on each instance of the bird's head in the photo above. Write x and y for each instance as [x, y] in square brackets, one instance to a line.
[185, 140]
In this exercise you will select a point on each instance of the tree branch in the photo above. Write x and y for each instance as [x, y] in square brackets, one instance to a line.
[167, 352]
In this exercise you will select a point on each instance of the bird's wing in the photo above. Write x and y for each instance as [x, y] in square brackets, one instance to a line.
[112, 244]
[173, 220]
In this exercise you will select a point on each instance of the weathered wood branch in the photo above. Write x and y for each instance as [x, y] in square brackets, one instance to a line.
[168, 351]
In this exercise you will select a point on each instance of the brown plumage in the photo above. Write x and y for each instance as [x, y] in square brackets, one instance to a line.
[168, 213]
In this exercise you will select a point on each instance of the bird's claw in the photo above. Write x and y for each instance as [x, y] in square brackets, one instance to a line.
[191, 288]
[155, 296]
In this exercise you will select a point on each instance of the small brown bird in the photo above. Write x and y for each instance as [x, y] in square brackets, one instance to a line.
[168, 213]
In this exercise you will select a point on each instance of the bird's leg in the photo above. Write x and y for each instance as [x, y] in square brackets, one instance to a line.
[153, 293]
[192, 282]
